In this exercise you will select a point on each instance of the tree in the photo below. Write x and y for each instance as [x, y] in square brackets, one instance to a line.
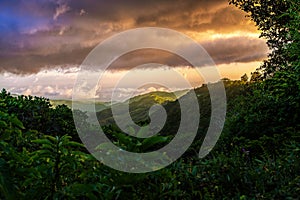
[278, 21]
[244, 78]
[255, 76]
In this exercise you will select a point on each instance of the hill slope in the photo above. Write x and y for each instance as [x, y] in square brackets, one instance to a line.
[139, 106]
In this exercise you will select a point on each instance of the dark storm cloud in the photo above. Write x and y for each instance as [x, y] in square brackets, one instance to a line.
[222, 51]
[33, 63]
[236, 49]
[42, 34]
[140, 57]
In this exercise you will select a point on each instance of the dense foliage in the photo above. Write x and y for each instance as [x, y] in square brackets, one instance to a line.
[41, 162]
[278, 21]
[257, 156]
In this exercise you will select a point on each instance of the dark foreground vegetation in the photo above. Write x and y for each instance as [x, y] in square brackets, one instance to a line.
[257, 156]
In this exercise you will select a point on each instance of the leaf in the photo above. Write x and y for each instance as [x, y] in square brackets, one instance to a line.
[42, 152]
[17, 122]
[150, 142]
[195, 170]
[53, 139]
[3, 124]
[75, 144]
[122, 138]
[259, 161]
[43, 141]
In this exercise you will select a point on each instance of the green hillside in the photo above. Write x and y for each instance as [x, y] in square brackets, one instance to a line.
[140, 105]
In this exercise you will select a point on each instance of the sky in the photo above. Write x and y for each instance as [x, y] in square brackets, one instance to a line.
[44, 42]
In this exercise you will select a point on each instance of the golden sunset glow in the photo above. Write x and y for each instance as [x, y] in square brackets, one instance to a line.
[43, 45]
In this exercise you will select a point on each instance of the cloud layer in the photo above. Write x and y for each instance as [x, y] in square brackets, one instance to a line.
[43, 34]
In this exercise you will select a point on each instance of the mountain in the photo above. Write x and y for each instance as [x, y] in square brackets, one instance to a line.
[139, 106]
[158, 97]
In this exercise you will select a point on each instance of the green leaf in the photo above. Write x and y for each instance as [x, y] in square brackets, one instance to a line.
[53, 139]
[3, 124]
[75, 144]
[17, 122]
[123, 138]
[150, 142]
[43, 141]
